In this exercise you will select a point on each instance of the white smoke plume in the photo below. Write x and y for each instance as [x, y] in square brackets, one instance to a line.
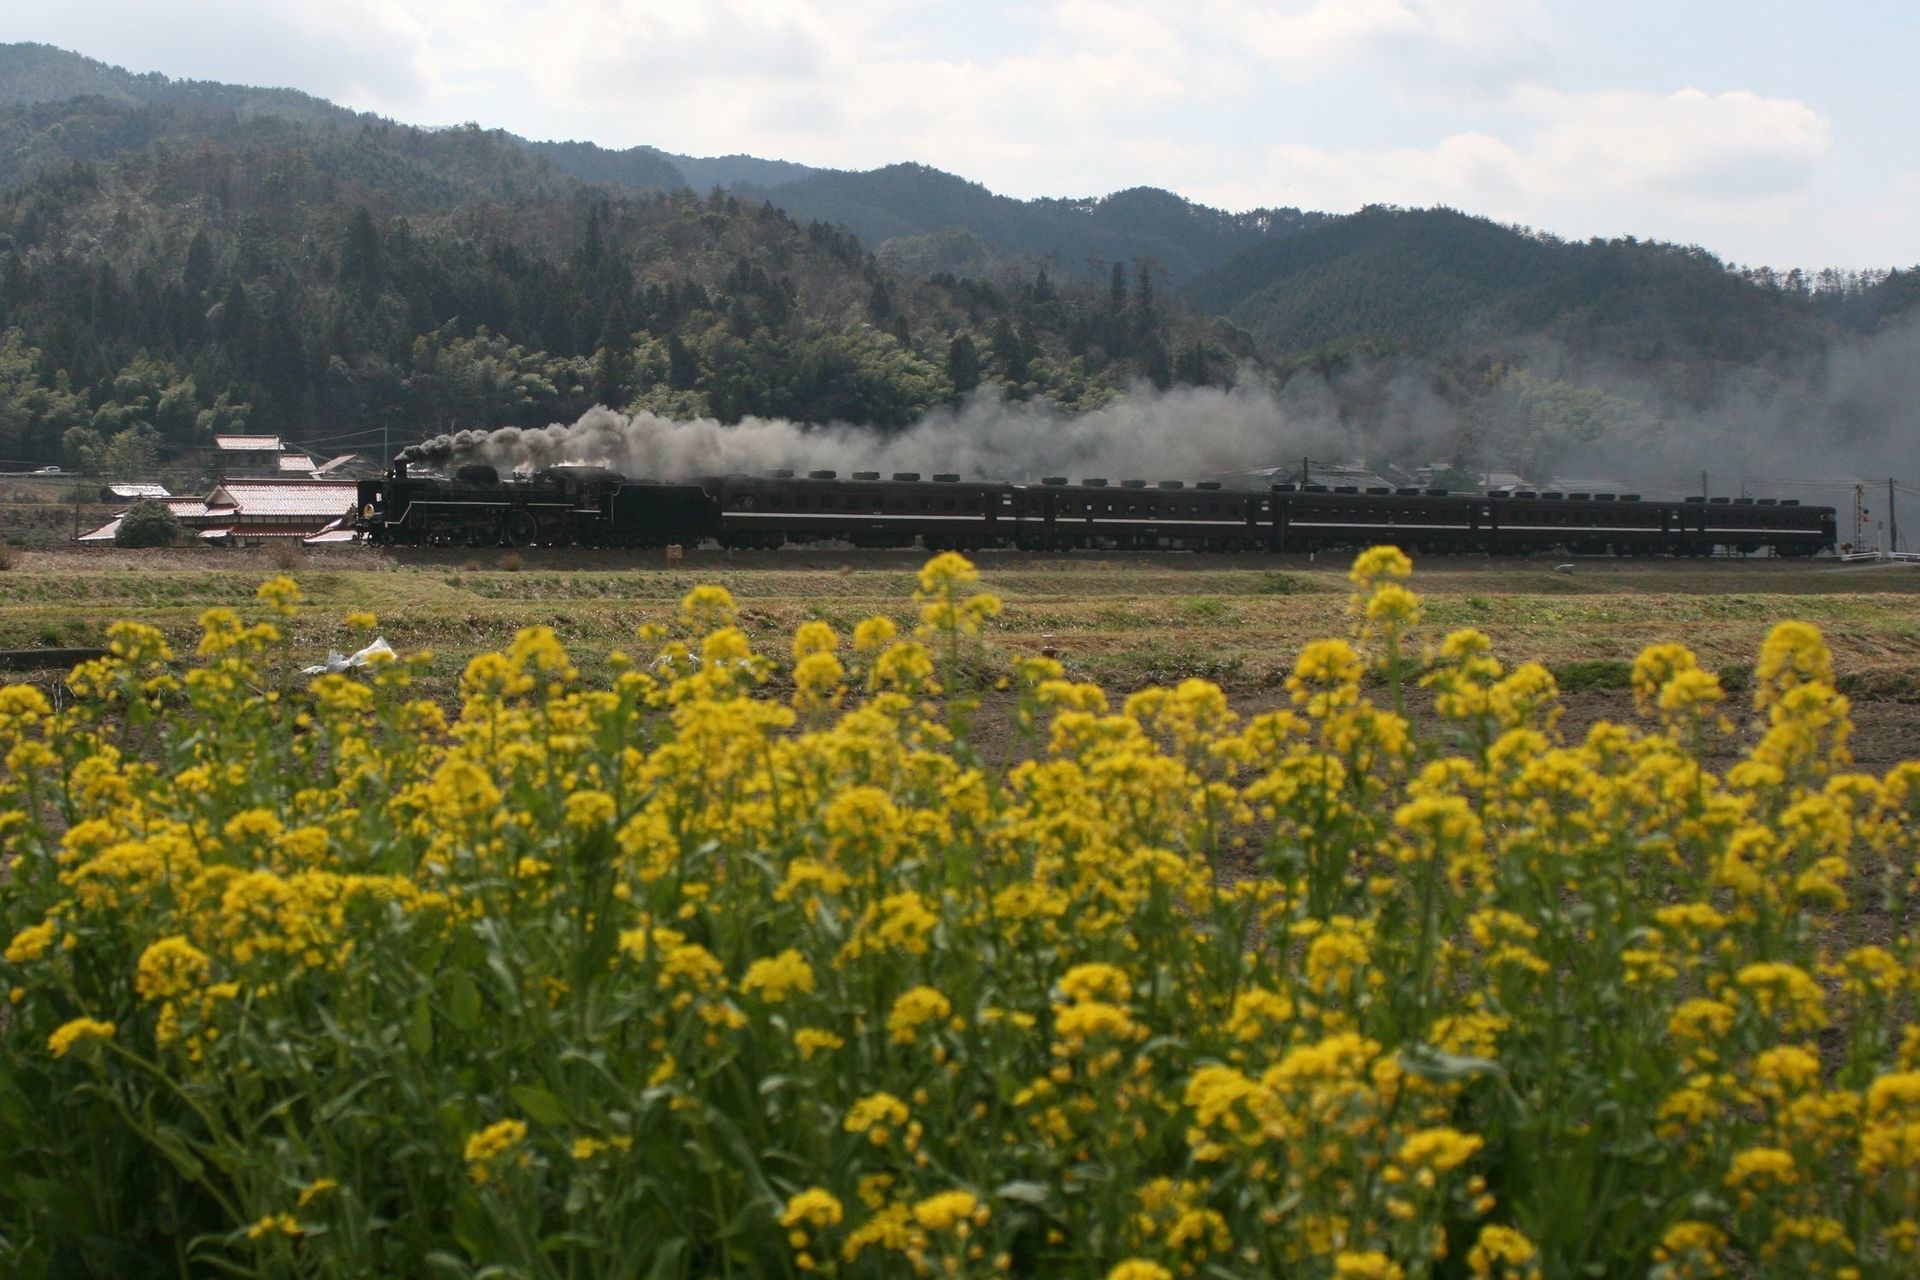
[1185, 433]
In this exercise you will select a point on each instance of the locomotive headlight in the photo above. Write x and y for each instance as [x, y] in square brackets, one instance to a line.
[367, 511]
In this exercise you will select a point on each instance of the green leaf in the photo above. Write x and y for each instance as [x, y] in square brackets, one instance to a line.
[538, 1104]
[668, 1260]
[1034, 1193]
[420, 1028]
[463, 1003]
[178, 1149]
[1430, 1063]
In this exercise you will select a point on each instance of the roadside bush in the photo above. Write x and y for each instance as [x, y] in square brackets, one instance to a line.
[674, 977]
[148, 524]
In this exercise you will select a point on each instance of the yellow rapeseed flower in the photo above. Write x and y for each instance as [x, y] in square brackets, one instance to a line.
[78, 1032]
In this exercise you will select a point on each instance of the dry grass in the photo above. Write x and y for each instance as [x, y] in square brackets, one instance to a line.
[1126, 621]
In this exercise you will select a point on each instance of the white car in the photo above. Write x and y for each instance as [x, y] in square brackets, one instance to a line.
[47, 471]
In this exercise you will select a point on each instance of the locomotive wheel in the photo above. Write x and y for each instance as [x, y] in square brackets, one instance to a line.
[518, 528]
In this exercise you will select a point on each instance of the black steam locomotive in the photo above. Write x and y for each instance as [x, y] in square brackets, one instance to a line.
[591, 506]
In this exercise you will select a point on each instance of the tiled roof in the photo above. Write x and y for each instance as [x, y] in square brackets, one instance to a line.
[248, 444]
[103, 534]
[138, 491]
[332, 463]
[312, 499]
[299, 462]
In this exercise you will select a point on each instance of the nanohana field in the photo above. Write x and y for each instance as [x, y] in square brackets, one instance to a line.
[745, 964]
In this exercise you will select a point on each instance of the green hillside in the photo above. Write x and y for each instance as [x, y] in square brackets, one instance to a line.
[323, 281]
[178, 257]
[1434, 279]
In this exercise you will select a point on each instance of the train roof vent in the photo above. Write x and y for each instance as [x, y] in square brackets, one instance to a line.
[1208, 484]
[1313, 488]
[1693, 497]
[1406, 493]
[866, 475]
[1053, 480]
[1133, 484]
[946, 477]
[1579, 497]
[1380, 490]
[1173, 484]
[781, 473]
[906, 475]
[1630, 497]
[1603, 497]
[1743, 502]
[477, 473]
[1094, 482]
[1283, 488]
[1789, 502]
[1769, 502]
[1436, 493]
[822, 475]
[1721, 502]
[1525, 493]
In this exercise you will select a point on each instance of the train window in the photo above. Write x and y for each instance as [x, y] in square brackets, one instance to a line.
[947, 505]
[973, 504]
[853, 503]
[744, 502]
[800, 501]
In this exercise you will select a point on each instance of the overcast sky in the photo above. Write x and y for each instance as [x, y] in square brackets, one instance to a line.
[1767, 131]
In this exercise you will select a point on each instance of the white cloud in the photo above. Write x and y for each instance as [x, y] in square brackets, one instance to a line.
[1605, 161]
[1409, 47]
[1718, 148]
[1484, 104]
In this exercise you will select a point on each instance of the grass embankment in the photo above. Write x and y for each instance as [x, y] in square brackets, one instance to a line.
[1124, 621]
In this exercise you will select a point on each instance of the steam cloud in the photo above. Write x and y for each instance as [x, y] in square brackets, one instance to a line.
[1803, 427]
[1184, 433]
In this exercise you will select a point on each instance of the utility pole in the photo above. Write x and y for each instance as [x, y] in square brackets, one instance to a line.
[1703, 484]
[1305, 463]
[1893, 520]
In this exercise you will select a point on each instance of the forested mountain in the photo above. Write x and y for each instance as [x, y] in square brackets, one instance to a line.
[315, 280]
[179, 257]
[1432, 278]
[32, 73]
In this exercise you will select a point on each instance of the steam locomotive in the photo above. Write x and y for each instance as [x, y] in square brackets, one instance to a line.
[595, 507]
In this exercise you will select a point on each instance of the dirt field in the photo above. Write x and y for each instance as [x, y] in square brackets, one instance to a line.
[1125, 620]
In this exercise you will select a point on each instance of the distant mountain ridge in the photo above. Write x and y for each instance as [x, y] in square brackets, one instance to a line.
[35, 73]
[899, 201]
[1420, 278]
